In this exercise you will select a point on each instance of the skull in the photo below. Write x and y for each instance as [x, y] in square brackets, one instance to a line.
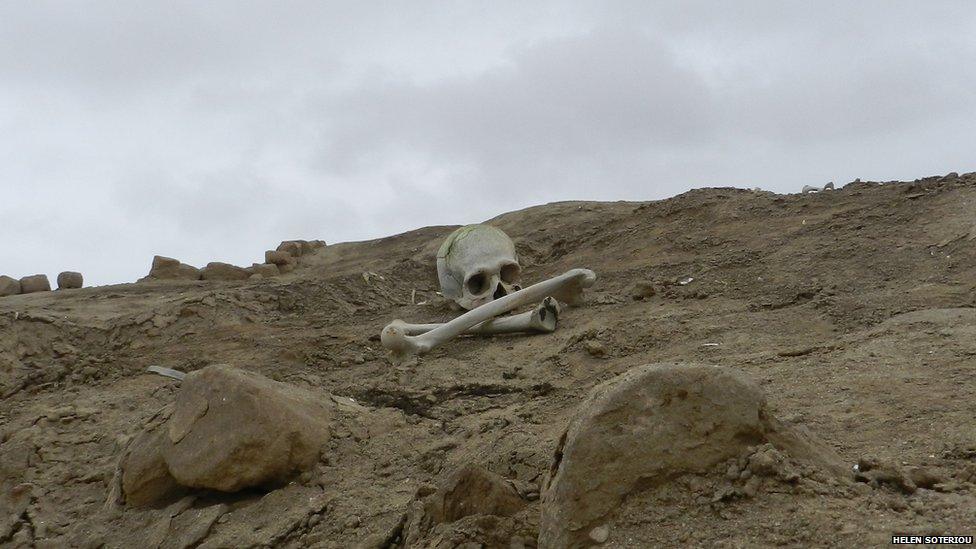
[477, 264]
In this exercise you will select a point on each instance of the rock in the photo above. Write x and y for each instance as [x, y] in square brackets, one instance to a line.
[223, 271]
[471, 490]
[309, 246]
[145, 477]
[652, 424]
[642, 290]
[879, 472]
[167, 268]
[278, 258]
[266, 270]
[469, 493]
[600, 534]
[297, 248]
[34, 283]
[232, 429]
[14, 501]
[9, 286]
[925, 477]
[70, 280]
[595, 348]
[191, 526]
[291, 247]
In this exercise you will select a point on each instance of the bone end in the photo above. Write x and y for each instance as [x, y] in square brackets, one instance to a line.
[546, 315]
[394, 339]
[572, 292]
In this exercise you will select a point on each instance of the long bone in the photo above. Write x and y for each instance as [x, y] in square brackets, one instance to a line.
[540, 320]
[567, 287]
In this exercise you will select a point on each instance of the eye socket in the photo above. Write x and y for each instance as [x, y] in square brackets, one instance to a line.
[477, 283]
[510, 273]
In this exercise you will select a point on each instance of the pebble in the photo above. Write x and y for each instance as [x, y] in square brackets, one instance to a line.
[595, 348]
[600, 534]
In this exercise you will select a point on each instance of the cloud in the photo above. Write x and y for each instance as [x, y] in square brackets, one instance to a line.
[212, 131]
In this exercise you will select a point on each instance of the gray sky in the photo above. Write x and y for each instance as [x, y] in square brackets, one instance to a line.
[210, 131]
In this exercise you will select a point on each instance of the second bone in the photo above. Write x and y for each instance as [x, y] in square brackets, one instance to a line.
[541, 320]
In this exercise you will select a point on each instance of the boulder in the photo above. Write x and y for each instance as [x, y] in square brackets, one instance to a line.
[70, 280]
[297, 248]
[167, 268]
[279, 258]
[265, 270]
[291, 247]
[223, 271]
[649, 426]
[233, 429]
[9, 286]
[34, 283]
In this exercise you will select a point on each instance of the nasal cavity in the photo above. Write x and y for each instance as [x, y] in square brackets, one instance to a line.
[499, 292]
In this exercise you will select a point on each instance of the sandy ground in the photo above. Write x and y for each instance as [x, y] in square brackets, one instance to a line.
[855, 310]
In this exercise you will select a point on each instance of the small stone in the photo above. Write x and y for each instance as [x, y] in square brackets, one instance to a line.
[9, 286]
[34, 283]
[223, 271]
[751, 487]
[353, 522]
[595, 348]
[600, 534]
[70, 280]
[732, 472]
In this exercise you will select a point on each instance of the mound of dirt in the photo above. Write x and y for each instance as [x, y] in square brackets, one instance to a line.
[854, 311]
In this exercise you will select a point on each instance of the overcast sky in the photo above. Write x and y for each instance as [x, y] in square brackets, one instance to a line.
[210, 131]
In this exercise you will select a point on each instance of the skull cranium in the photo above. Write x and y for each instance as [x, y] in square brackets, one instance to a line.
[477, 264]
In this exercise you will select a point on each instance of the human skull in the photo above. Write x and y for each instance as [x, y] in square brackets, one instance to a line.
[477, 264]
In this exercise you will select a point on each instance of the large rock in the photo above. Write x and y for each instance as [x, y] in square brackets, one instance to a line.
[297, 248]
[291, 247]
[9, 286]
[279, 258]
[70, 280]
[34, 283]
[232, 429]
[224, 271]
[648, 426]
[167, 268]
[266, 270]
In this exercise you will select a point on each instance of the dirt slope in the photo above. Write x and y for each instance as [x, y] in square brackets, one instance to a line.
[854, 309]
